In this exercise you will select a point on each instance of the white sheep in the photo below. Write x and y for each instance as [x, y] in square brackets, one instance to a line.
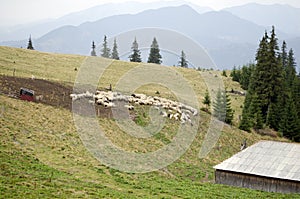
[172, 109]
[129, 107]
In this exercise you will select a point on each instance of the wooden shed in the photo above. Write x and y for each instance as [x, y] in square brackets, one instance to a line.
[26, 94]
[267, 165]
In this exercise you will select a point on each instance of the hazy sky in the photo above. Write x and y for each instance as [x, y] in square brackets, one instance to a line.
[14, 12]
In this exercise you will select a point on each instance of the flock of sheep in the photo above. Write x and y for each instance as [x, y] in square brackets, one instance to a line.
[168, 108]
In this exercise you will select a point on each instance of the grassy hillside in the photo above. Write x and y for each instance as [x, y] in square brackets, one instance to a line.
[41, 153]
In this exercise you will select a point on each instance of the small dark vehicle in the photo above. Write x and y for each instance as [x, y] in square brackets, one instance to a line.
[26, 94]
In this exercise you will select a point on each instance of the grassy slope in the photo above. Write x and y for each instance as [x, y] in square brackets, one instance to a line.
[41, 155]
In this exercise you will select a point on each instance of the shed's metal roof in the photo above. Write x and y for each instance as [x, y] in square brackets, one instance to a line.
[266, 158]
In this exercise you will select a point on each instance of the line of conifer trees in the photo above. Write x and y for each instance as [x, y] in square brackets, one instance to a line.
[273, 89]
[135, 56]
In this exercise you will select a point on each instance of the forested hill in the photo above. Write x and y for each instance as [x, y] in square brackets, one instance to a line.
[273, 96]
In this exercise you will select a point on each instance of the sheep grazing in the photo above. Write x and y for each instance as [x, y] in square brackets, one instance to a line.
[164, 114]
[39, 98]
[87, 95]
[129, 107]
[168, 108]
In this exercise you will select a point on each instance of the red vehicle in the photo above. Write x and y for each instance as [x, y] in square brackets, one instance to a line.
[26, 94]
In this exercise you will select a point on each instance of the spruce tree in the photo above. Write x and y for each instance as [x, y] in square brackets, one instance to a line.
[283, 55]
[136, 54]
[296, 94]
[224, 73]
[276, 80]
[275, 111]
[262, 75]
[251, 116]
[268, 73]
[276, 69]
[30, 45]
[290, 70]
[246, 123]
[229, 110]
[289, 125]
[206, 100]
[222, 107]
[183, 62]
[219, 106]
[261, 63]
[255, 116]
[154, 56]
[296, 101]
[105, 49]
[115, 54]
[276, 108]
[93, 52]
[246, 73]
[235, 74]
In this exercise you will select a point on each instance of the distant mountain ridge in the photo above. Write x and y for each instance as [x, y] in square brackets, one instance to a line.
[95, 13]
[229, 40]
[284, 17]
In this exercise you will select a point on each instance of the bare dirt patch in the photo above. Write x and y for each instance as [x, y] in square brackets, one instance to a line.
[54, 93]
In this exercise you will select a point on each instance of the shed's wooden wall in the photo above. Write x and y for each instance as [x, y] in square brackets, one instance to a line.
[256, 182]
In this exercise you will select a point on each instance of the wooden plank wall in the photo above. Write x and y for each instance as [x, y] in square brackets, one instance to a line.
[257, 182]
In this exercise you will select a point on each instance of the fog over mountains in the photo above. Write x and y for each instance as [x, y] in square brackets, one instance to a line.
[95, 13]
[284, 17]
[230, 36]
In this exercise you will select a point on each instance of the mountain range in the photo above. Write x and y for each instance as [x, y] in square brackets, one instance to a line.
[95, 13]
[284, 17]
[230, 36]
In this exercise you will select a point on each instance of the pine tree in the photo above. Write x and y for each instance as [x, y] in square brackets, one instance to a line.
[251, 116]
[262, 75]
[261, 64]
[296, 94]
[246, 73]
[93, 52]
[235, 74]
[275, 112]
[290, 70]
[219, 106]
[224, 73]
[222, 107]
[289, 125]
[229, 110]
[256, 119]
[268, 73]
[154, 56]
[206, 100]
[276, 80]
[277, 108]
[136, 54]
[246, 123]
[105, 49]
[115, 54]
[275, 67]
[283, 55]
[183, 62]
[30, 46]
